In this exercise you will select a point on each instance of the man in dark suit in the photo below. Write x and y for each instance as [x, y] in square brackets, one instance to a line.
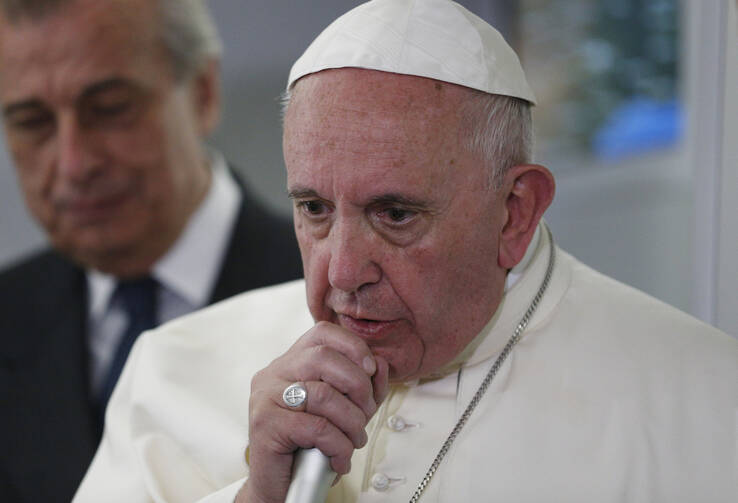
[105, 105]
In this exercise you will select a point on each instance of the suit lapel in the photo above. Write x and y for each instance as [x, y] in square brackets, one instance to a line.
[233, 275]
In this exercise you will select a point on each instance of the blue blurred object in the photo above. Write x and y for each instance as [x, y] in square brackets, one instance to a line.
[639, 125]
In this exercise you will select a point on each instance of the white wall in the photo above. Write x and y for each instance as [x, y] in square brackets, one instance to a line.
[726, 310]
[632, 221]
[713, 69]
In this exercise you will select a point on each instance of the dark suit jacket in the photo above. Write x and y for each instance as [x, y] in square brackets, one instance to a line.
[48, 425]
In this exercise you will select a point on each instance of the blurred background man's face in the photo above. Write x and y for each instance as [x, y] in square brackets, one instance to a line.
[397, 228]
[106, 144]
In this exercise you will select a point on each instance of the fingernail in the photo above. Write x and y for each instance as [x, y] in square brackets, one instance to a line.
[369, 365]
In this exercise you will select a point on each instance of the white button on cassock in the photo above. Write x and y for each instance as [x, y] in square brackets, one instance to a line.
[380, 481]
[396, 423]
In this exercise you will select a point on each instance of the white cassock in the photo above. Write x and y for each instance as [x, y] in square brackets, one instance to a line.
[610, 396]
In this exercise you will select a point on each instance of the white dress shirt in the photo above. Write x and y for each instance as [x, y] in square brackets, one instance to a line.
[186, 273]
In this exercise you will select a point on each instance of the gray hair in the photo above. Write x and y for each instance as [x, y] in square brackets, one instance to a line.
[187, 30]
[189, 34]
[496, 128]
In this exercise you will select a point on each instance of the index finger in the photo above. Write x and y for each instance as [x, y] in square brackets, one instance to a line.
[380, 380]
[344, 341]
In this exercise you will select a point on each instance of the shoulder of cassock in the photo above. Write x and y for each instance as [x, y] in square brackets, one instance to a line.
[177, 423]
[594, 323]
[586, 318]
[617, 317]
[648, 392]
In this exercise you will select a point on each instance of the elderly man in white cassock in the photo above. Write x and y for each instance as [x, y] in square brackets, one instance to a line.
[441, 347]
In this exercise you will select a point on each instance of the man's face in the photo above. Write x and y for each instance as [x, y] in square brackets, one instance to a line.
[105, 143]
[398, 231]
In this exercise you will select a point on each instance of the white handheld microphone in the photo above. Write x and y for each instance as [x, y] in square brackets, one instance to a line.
[311, 477]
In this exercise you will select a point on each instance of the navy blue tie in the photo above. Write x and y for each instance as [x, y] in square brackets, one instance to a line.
[138, 298]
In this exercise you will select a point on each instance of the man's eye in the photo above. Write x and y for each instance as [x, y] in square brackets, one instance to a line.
[111, 109]
[30, 122]
[398, 215]
[312, 208]
[108, 111]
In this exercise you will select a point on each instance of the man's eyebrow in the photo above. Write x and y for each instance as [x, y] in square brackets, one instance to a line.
[107, 85]
[302, 193]
[20, 106]
[380, 200]
[98, 87]
[398, 199]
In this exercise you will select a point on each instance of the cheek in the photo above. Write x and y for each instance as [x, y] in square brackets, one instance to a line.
[417, 275]
[315, 266]
[35, 177]
[142, 144]
[141, 156]
[444, 279]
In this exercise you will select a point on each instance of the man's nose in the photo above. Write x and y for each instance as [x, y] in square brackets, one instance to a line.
[74, 158]
[352, 262]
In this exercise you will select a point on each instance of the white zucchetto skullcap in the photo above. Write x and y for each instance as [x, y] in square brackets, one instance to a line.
[437, 39]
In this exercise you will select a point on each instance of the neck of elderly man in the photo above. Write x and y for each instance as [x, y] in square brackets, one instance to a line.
[404, 240]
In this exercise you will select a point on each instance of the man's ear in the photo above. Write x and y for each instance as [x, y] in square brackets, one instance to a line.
[206, 96]
[529, 190]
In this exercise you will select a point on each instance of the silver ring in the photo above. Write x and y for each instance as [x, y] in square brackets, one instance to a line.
[294, 395]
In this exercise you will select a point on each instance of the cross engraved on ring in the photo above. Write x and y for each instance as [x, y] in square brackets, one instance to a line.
[294, 395]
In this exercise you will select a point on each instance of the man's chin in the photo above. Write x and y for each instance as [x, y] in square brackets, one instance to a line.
[105, 254]
[399, 371]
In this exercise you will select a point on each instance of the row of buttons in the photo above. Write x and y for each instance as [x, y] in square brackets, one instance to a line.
[380, 481]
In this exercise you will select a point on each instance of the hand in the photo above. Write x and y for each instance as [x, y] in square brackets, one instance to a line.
[345, 383]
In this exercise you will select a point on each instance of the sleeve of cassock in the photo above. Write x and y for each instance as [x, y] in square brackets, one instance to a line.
[177, 423]
[136, 462]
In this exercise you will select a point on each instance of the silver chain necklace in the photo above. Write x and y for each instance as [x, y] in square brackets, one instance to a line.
[490, 375]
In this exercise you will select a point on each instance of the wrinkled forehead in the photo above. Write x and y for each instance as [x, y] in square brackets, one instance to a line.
[79, 43]
[82, 24]
[375, 97]
[373, 127]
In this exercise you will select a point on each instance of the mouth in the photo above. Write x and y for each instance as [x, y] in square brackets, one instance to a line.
[367, 328]
[92, 210]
